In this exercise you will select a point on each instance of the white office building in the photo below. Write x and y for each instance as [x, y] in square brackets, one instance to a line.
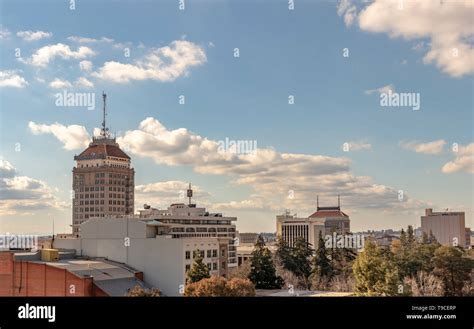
[148, 246]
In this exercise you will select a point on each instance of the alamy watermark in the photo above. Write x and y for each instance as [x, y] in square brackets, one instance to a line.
[18, 241]
[348, 241]
[395, 99]
[67, 99]
[237, 146]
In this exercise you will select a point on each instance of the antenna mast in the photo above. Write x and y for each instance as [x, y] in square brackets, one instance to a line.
[189, 193]
[104, 131]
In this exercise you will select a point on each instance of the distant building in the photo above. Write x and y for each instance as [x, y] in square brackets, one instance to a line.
[448, 227]
[247, 238]
[468, 237]
[326, 220]
[102, 180]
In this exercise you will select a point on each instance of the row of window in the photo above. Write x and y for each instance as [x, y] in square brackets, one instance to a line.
[86, 216]
[92, 209]
[101, 188]
[112, 182]
[111, 175]
[110, 165]
[210, 266]
[210, 253]
[96, 202]
[101, 195]
[198, 229]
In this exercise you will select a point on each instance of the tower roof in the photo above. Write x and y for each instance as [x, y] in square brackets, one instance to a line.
[100, 148]
[322, 213]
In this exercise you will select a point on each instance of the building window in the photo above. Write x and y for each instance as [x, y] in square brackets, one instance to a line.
[214, 253]
[187, 268]
[209, 266]
[223, 265]
[209, 253]
[188, 255]
[214, 266]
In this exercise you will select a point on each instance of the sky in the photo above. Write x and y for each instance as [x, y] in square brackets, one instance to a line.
[303, 80]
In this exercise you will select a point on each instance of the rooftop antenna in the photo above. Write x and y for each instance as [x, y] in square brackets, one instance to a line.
[339, 201]
[104, 131]
[189, 193]
[52, 240]
[317, 202]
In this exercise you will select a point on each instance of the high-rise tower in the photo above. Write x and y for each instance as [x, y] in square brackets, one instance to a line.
[102, 180]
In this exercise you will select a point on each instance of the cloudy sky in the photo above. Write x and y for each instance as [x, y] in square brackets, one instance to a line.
[303, 82]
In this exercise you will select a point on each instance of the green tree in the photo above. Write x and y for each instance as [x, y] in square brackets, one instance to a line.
[220, 287]
[321, 263]
[139, 291]
[375, 271]
[432, 238]
[403, 238]
[411, 240]
[406, 256]
[301, 254]
[262, 269]
[199, 270]
[453, 267]
[283, 254]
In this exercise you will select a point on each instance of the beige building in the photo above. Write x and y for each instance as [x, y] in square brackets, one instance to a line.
[149, 246]
[189, 221]
[102, 181]
[327, 220]
[448, 227]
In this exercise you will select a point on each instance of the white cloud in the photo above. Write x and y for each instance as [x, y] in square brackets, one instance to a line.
[4, 33]
[60, 84]
[357, 146]
[269, 173]
[434, 147]
[73, 137]
[162, 64]
[12, 79]
[85, 66]
[348, 10]
[33, 35]
[162, 194]
[44, 55]
[381, 90]
[89, 40]
[84, 83]
[20, 194]
[463, 161]
[447, 25]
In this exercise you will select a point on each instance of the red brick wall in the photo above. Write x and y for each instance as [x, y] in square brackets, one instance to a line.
[6, 269]
[23, 278]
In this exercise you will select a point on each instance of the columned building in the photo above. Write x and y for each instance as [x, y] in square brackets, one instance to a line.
[327, 220]
[102, 180]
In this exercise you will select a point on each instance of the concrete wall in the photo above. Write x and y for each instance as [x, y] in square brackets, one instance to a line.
[445, 228]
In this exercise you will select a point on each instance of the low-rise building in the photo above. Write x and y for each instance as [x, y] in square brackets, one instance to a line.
[32, 274]
[150, 247]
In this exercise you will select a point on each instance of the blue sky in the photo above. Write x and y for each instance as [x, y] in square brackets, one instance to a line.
[282, 52]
